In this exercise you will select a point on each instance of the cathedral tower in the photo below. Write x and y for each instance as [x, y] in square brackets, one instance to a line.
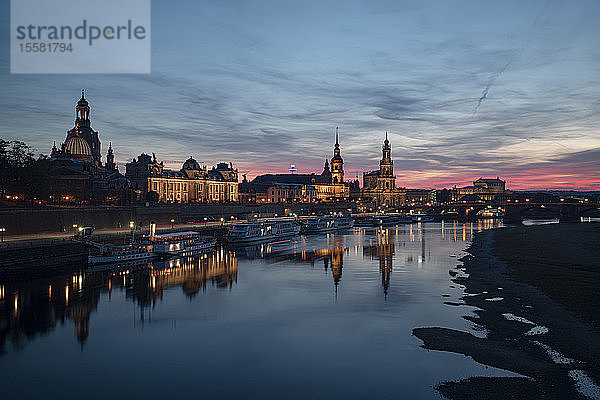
[83, 130]
[337, 163]
[110, 159]
[386, 165]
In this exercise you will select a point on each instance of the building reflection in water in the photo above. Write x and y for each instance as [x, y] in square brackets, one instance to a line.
[332, 254]
[29, 309]
[384, 252]
[464, 231]
[33, 308]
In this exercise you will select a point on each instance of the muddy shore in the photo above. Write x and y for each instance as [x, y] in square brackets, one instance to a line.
[536, 292]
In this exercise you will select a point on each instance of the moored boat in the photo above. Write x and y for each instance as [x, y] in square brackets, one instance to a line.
[343, 222]
[317, 224]
[421, 218]
[261, 231]
[327, 223]
[116, 253]
[170, 244]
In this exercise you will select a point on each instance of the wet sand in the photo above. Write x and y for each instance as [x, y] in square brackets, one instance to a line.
[537, 293]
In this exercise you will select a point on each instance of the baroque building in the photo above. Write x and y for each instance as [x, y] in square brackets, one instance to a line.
[380, 185]
[191, 184]
[327, 186]
[483, 189]
[76, 171]
[82, 142]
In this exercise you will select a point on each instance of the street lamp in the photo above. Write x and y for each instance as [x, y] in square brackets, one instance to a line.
[2, 230]
[172, 223]
[131, 225]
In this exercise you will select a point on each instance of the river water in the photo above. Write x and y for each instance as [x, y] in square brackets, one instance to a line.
[320, 316]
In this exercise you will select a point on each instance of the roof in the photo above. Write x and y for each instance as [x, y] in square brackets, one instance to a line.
[190, 163]
[487, 180]
[305, 179]
[78, 146]
[175, 234]
[292, 185]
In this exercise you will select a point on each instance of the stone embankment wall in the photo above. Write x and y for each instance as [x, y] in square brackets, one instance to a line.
[41, 220]
[42, 258]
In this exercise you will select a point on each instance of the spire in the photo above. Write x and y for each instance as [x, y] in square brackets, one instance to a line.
[386, 142]
[83, 94]
[337, 141]
[326, 170]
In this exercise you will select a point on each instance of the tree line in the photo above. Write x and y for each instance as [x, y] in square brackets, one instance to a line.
[22, 173]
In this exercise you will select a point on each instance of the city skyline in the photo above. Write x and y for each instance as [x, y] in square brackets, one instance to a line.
[503, 90]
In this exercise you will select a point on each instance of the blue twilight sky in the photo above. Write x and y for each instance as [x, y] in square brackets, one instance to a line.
[464, 88]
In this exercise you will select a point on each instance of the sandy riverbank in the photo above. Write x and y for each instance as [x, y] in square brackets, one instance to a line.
[536, 289]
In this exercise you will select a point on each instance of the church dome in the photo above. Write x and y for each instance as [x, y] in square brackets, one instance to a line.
[191, 164]
[77, 146]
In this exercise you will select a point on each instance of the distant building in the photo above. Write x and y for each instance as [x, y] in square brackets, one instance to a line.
[191, 184]
[82, 142]
[482, 190]
[293, 187]
[420, 196]
[380, 185]
[77, 173]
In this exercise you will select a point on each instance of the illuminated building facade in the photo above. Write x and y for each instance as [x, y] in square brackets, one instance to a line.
[191, 184]
[414, 197]
[327, 186]
[483, 189]
[380, 185]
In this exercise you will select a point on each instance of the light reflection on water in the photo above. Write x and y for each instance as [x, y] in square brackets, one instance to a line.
[317, 316]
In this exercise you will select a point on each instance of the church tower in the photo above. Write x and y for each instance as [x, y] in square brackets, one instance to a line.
[337, 163]
[110, 159]
[386, 165]
[387, 180]
[83, 129]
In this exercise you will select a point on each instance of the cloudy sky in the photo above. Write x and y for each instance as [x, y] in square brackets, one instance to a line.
[464, 88]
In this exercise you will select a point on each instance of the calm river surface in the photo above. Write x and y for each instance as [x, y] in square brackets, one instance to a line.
[321, 316]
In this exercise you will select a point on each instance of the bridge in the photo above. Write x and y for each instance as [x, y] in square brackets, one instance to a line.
[514, 212]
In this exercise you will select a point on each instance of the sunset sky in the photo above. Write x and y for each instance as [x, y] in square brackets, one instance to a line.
[465, 89]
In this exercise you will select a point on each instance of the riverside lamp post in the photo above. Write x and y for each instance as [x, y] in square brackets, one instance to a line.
[172, 223]
[131, 226]
[2, 230]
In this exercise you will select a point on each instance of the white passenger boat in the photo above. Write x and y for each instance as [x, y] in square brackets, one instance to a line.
[261, 231]
[326, 223]
[170, 244]
[318, 224]
[116, 253]
[343, 222]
